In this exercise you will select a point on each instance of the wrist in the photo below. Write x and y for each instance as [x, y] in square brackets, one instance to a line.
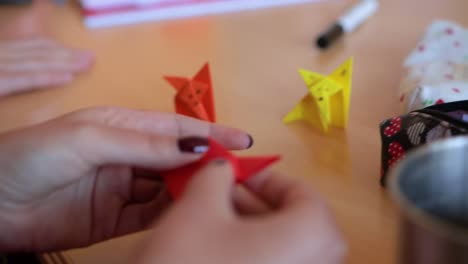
[10, 235]
[13, 227]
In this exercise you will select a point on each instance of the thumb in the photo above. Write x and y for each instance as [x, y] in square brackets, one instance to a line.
[211, 188]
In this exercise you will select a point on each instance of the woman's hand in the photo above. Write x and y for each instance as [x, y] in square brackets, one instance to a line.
[38, 63]
[89, 176]
[212, 224]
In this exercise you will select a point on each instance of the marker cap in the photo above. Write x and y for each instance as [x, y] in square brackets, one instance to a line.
[328, 37]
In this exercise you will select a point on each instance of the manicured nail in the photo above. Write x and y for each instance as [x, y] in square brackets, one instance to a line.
[251, 141]
[84, 58]
[194, 144]
[88, 53]
[84, 54]
[62, 79]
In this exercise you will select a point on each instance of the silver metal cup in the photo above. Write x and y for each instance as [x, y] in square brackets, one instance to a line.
[431, 189]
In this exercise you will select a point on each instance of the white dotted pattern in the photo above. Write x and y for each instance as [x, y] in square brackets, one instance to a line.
[395, 127]
[397, 152]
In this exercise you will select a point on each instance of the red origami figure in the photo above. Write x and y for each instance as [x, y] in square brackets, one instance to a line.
[243, 168]
[194, 95]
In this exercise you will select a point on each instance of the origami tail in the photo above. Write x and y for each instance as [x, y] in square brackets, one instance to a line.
[253, 165]
[296, 114]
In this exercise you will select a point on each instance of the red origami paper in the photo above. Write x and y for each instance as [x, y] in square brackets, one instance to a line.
[243, 168]
[194, 96]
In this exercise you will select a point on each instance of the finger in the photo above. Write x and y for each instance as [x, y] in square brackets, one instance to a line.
[229, 137]
[88, 148]
[17, 50]
[299, 210]
[210, 190]
[144, 189]
[115, 210]
[24, 82]
[247, 204]
[27, 44]
[282, 193]
[145, 173]
[302, 221]
[46, 61]
[165, 124]
[139, 216]
[98, 145]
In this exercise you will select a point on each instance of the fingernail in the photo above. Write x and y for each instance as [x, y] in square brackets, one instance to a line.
[84, 54]
[84, 58]
[88, 53]
[194, 144]
[60, 79]
[251, 141]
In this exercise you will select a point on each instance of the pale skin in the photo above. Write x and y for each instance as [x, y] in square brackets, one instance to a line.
[211, 225]
[39, 63]
[80, 169]
[28, 60]
[92, 175]
[72, 182]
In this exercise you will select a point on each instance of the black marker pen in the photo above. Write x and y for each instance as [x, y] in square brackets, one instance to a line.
[348, 22]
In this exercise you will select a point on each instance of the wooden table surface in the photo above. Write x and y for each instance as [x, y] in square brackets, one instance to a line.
[254, 58]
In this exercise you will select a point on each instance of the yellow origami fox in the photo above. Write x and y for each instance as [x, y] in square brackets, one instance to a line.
[327, 103]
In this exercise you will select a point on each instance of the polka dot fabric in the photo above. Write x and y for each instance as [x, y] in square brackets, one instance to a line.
[396, 152]
[394, 127]
[404, 133]
[436, 71]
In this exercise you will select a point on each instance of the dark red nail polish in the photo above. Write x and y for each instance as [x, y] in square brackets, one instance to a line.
[251, 141]
[194, 144]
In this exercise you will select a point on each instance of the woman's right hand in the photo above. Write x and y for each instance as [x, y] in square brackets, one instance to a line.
[204, 228]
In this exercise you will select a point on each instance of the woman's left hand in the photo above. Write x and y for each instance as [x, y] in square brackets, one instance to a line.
[89, 176]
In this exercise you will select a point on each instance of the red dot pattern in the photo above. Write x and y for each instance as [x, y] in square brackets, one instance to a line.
[396, 152]
[448, 31]
[393, 128]
[421, 48]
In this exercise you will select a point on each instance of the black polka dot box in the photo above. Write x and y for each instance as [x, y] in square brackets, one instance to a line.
[404, 133]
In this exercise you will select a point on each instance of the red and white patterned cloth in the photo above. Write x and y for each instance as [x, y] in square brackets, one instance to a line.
[437, 69]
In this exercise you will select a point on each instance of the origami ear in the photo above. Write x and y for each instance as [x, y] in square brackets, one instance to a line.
[204, 75]
[177, 82]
